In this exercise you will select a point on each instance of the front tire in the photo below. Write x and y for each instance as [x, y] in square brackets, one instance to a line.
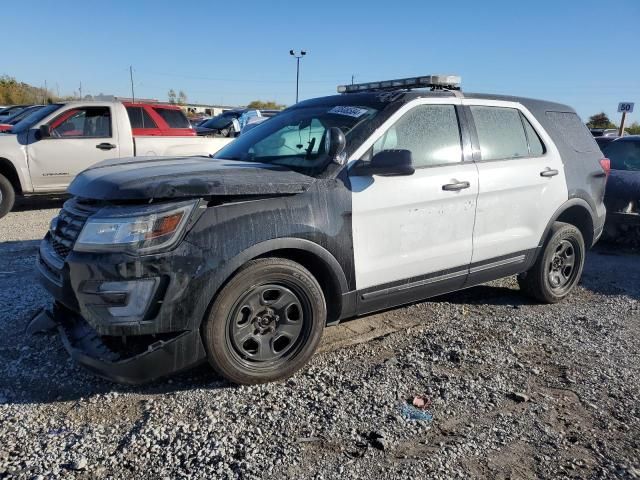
[266, 323]
[559, 267]
[7, 196]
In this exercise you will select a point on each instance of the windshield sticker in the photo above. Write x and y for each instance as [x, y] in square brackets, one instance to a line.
[349, 111]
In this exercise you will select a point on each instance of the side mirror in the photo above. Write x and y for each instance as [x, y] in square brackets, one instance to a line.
[387, 163]
[334, 144]
[45, 131]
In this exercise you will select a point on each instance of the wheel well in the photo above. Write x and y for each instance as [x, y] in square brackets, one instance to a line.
[579, 217]
[8, 170]
[321, 271]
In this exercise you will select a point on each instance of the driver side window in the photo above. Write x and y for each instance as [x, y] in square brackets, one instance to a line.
[87, 122]
[430, 132]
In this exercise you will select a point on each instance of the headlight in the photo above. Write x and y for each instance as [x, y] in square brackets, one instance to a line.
[140, 229]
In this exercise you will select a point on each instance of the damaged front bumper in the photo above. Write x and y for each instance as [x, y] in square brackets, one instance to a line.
[143, 359]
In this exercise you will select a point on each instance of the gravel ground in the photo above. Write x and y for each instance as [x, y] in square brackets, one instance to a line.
[517, 390]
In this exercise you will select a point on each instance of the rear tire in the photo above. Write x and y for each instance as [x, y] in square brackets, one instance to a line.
[266, 323]
[7, 196]
[559, 266]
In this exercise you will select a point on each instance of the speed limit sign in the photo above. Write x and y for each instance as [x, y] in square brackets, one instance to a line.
[625, 107]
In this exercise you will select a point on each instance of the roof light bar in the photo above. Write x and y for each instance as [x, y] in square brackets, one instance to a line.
[435, 82]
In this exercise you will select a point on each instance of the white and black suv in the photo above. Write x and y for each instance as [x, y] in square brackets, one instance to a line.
[387, 194]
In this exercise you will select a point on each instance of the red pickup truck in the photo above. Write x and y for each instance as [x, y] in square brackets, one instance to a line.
[157, 119]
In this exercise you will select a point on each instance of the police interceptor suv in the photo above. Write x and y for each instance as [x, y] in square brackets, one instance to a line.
[389, 193]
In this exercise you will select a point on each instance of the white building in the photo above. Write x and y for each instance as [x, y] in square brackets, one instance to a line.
[203, 109]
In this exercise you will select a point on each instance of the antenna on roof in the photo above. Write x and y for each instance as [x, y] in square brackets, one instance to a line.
[434, 82]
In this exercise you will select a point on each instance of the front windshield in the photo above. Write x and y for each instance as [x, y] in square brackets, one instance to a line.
[35, 117]
[295, 138]
[220, 121]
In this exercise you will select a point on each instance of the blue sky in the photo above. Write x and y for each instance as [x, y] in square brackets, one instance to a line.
[577, 52]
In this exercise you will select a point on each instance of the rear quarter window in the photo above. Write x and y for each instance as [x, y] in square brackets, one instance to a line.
[571, 129]
[174, 118]
[139, 118]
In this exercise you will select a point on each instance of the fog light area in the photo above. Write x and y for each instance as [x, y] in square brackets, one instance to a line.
[138, 294]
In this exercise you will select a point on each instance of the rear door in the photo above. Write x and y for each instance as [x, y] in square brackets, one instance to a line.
[80, 137]
[521, 185]
[412, 234]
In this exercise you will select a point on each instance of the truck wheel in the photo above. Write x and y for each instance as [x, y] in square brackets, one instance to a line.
[559, 267]
[7, 196]
[266, 322]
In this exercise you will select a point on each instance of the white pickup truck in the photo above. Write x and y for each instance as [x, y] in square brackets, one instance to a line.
[48, 149]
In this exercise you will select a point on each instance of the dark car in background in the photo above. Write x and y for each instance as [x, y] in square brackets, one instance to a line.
[604, 140]
[10, 111]
[7, 124]
[622, 197]
[604, 132]
[231, 122]
[220, 125]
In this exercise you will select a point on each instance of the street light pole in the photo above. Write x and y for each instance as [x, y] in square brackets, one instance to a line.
[297, 56]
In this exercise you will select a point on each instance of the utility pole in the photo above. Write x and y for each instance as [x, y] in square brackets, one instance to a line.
[352, 79]
[297, 56]
[80, 90]
[133, 95]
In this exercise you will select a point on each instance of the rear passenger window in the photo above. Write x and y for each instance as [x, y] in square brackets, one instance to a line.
[430, 132]
[571, 129]
[536, 148]
[500, 132]
[174, 118]
[139, 118]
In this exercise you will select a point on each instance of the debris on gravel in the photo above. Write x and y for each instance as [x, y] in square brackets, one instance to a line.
[517, 390]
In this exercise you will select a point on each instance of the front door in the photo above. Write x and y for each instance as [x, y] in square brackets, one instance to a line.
[79, 138]
[412, 235]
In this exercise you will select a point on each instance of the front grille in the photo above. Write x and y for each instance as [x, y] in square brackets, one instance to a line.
[69, 224]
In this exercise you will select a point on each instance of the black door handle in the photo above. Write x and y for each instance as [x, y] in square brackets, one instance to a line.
[454, 187]
[105, 146]
[549, 173]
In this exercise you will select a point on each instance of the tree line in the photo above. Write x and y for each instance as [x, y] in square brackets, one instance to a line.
[601, 120]
[13, 92]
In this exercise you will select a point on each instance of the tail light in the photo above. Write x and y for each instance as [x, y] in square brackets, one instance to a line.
[605, 163]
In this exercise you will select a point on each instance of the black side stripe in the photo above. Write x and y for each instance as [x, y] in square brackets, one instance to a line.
[419, 283]
[516, 258]
[499, 263]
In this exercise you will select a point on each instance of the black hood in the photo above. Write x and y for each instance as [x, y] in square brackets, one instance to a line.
[161, 177]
